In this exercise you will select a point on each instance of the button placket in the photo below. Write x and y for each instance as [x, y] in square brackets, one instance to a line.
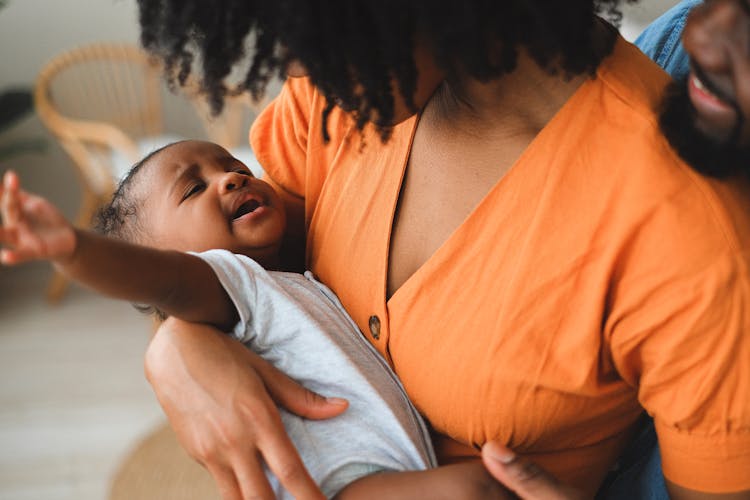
[374, 323]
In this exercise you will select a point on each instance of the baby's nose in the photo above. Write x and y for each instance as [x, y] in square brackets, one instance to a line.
[233, 180]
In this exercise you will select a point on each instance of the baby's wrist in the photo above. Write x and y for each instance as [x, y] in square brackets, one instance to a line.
[69, 244]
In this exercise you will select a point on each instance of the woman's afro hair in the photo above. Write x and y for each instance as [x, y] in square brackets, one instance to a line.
[354, 49]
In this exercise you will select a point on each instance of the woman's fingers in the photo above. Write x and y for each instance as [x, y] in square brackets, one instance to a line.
[272, 441]
[524, 477]
[292, 396]
[225, 482]
[286, 465]
[222, 412]
[251, 477]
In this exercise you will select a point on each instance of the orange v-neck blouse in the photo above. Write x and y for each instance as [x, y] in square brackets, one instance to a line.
[598, 277]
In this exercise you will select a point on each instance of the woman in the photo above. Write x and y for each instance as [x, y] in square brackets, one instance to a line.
[485, 187]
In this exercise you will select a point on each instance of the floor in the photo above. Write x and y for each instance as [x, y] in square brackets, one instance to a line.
[73, 398]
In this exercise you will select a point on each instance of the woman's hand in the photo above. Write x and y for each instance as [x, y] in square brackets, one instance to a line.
[32, 228]
[524, 477]
[221, 401]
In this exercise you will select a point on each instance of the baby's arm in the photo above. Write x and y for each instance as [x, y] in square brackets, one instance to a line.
[176, 283]
[465, 481]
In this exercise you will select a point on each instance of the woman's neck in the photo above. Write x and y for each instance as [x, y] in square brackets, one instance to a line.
[522, 101]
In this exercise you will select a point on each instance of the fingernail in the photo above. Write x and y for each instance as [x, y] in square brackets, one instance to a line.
[337, 401]
[499, 453]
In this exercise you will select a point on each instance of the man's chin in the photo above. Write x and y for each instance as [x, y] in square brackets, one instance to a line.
[707, 155]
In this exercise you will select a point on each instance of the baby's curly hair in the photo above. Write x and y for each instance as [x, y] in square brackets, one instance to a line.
[353, 48]
[120, 217]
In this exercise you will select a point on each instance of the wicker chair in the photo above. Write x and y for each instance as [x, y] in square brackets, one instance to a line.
[104, 105]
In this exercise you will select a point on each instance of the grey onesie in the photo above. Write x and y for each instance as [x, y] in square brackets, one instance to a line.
[299, 325]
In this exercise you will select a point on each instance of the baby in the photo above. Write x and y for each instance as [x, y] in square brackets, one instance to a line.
[191, 233]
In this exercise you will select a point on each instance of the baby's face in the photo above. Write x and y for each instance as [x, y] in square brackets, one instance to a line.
[198, 197]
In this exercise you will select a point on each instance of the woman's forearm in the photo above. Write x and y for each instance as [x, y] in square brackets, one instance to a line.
[221, 401]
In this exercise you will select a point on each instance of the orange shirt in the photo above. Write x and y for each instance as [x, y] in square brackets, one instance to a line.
[598, 277]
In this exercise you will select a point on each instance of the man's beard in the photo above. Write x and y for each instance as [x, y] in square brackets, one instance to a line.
[705, 154]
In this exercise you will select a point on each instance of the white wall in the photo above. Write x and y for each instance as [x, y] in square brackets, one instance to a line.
[32, 31]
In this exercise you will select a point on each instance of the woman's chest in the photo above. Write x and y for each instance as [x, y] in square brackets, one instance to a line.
[496, 328]
[498, 334]
[445, 179]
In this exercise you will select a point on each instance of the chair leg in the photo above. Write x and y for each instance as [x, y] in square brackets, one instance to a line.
[58, 284]
[56, 287]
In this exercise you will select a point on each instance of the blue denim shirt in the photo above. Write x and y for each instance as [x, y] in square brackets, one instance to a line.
[661, 40]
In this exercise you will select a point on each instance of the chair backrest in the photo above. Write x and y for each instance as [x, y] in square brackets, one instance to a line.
[99, 100]
[104, 104]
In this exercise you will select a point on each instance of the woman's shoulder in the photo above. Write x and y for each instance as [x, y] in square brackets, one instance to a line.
[301, 106]
[632, 187]
[625, 150]
[288, 136]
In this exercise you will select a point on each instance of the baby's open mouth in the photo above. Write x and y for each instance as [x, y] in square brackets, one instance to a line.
[248, 207]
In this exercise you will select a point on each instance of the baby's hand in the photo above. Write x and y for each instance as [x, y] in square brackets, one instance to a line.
[32, 228]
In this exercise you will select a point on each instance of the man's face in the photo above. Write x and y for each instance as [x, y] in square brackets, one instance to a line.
[706, 117]
[199, 197]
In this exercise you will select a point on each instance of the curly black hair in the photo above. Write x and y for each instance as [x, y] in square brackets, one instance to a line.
[119, 218]
[354, 49]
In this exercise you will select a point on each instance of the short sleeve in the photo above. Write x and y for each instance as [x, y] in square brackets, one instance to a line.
[679, 332]
[237, 274]
[279, 135]
[287, 139]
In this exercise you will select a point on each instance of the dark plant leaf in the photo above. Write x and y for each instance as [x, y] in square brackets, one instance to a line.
[14, 104]
[22, 146]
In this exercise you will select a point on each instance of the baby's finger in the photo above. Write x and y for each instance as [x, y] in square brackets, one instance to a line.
[7, 257]
[10, 180]
[13, 256]
[10, 202]
[8, 235]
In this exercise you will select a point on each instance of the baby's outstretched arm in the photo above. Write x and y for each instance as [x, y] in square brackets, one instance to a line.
[176, 283]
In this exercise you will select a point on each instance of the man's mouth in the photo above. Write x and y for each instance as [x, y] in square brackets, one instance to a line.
[700, 81]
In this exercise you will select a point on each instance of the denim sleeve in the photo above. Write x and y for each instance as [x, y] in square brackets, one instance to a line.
[661, 40]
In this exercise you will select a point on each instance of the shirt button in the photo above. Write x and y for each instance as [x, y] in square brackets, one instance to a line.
[375, 327]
